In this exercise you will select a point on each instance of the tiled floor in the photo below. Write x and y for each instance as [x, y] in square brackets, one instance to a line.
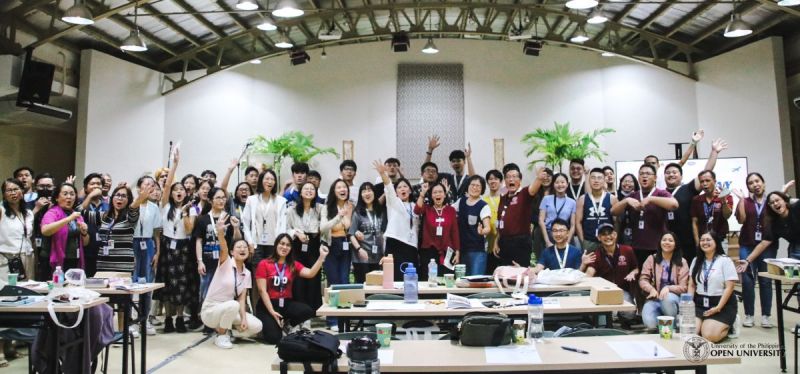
[163, 354]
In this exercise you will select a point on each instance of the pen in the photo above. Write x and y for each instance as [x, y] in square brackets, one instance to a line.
[574, 350]
[655, 351]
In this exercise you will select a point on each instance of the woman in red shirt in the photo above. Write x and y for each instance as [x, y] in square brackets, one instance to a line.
[439, 229]
[274, 276]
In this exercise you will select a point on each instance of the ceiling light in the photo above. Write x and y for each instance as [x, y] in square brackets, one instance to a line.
[299, 57]
[608, 54]
[133, 43]
[532, 47]
[430, 48]
[246, 5]
[267, 26]
[579, 36]
[581, 4]
[737, 28]
[788, 2]
[332, 34]
[78, 14]
[400, 42]
[287, 9]
[283, 42]
[597, 17]
[255, 61]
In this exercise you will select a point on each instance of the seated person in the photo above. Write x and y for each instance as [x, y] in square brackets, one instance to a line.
[220, 311]
[562, 255]
[615, 263]
[274, 276]
[713, 276]
[665, 276]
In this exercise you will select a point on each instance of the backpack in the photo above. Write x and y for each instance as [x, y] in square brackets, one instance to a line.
[306, 346]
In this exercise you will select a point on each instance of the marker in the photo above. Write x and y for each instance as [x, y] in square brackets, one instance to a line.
[574, 350]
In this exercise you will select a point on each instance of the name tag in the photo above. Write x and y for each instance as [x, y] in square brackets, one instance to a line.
[439, 230]
[345, 246]
[143, 245]
[641, 224]
[472, 220]
[280, 303]
[374, 249]
[500, 225]
[265, 238]
[705, 302]
[304, 247]
[628, 232]
[671, 216]
[215, 254]
[105, 250]
[440, 220]
[38, 242]
[758, 236]
[173, 244]
[97, 236]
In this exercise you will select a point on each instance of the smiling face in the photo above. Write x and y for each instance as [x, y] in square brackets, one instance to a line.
[560, 234]
[474, 189]
[576, 171]
[284, 247]
[458, 165]
[341, 191]
[240, 251]
[269, 182]
[777, 204]
[66, 197]
[438, 194]
[493, 183]
[597, 181]
[106, 184]
[667, 243]
[178, 193]
[308, 192]
[243, 192]
[609, 176]
[673, 177]
[707, 244]
[368, 195]
[626, 184]
[219, 199]
[560, 184]
[755, 185]
[608, 238]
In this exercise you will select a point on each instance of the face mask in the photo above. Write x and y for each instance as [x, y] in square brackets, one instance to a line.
[44, 193]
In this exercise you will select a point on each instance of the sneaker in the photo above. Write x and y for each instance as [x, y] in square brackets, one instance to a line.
[150, 330]
[748, 321]
[154, 321]
[180, 325]
[223, 341]
[195, 324]
[734, 331]
[134, 331]
[765, 322]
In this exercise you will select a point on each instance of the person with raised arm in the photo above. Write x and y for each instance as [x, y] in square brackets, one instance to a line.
[402, 224]
[514, 243]
[303, 226]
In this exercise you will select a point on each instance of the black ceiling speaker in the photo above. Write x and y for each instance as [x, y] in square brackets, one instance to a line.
[35, 83]
[400, 42]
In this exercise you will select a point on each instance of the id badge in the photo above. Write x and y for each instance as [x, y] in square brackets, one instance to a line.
[280, 303]
[472, 220]
[173, 244]
[304, 247]
[38, 242]
[758, 236]
[143, 245]
[97, 236]
[705, 302]
[628, 231]
[345, 246]
[500, 225]
[105, 250]
[641, 224]
[374, 249]
[439, 230]
[110, 243]
[264, 238]
[671, 216]
[215, 252]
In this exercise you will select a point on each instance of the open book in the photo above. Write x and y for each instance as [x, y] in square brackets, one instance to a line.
[461, 302]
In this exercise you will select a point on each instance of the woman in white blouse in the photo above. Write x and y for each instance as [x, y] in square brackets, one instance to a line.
[16, 226]
[402, 224]
[713, 276]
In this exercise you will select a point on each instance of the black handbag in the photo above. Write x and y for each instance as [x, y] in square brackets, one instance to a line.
[15, 266]
[308, 347]
[485, 330]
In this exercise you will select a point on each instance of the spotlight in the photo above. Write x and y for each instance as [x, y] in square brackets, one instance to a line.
[284, 42]
[78, 14]
[737, 28]
[299, 57]
[532, 47]
[133, 43]
[400, 42]
[579, 36]
[788, 2]
[246, 5]
[597, 17]
[267, 26]
[430, 47]
[332, 34]
[287, 9]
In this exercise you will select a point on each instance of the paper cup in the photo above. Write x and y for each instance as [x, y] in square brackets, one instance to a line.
[449, 280]
[12, 279]
[461, 271]
[333, 298]
[665, 326]
[384, 331]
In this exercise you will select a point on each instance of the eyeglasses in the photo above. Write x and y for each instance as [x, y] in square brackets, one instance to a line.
[121, 196]
[645, 173]
[220, 197]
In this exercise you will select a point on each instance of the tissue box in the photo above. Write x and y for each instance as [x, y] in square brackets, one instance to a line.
[606, 295]
[374, 278]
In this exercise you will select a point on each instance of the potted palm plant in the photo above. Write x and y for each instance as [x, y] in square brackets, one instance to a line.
[558, 144]
[294, 145]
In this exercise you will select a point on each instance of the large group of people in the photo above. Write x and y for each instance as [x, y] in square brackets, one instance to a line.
[209, 245]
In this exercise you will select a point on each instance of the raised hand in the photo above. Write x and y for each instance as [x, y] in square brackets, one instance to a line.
[233, 164]
[433, 142]
[698, 135]
[94, 193]
[74, 215]
[445, 184]
[588, 258]
[738, 193]
[70, 179]
[176, 155]
[379, 167]
[234, 221]
[323, 251]
[468, 150]
[719, 145]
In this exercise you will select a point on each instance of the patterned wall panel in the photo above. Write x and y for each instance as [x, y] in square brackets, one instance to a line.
[430, 100]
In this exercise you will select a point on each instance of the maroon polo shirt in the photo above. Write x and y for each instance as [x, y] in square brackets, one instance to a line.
[655, 222]
[515, 212]
[615, 268]
[702, 210]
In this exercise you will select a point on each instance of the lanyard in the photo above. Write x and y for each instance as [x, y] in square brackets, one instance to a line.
[574, 192]
[555, 205]
[373, 221]
[562, 262]
[597, 203]
[142, 217]
[110, 229]
[708, 208]
[759, 210]
[675, 191]
[236, 282]
[459, 181]
[614, 257]
[439, 218]
[264, 211]
[213, 227]
[641, 197]
[706, 273]
[410, 212]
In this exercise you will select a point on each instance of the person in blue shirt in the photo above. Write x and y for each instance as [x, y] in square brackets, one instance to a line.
[562, 255]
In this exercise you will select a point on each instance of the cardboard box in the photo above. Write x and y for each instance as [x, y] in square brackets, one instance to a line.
[775, 269]
[374, 278]
[606, 295]
[357, 296]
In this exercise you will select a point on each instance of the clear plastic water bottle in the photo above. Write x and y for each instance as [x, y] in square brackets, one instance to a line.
[686, 317]
[58, 277]
[410, 280]
[535, 317]
[433, 268]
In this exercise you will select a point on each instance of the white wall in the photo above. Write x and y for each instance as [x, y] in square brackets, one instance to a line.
[120, 118]
[741, 96]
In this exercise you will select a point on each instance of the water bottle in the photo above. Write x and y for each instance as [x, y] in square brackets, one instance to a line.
[535, 317]
[388, 272]
[433, 268]
[410, 283]
[362, 353]
[58, 277]
[686, 317]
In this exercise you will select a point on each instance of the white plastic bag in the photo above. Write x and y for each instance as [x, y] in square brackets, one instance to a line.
[560, 276]
[70, 296]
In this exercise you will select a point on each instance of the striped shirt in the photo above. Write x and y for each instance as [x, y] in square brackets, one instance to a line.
[120, 254]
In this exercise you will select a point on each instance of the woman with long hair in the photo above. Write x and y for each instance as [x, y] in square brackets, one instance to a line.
[366, 232]
[66, 229]
[545, 190]
[190, 182]
[16, 227]
[664, 277]
[240, 195]
[116, 228]
[557, 206]
[627, 186]
[333, 227]
[278, 311]
[402, 224]
[712, 279]
[303, 223]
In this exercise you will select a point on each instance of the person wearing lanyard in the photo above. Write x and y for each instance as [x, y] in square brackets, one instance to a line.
[278, 310]
[146, 241]
[334, 223]
[458, 158]
[494, 180]
[473, 225]
[439, 231]
[240, 195]
[627, 186]
[225, 306]
[264, 217]
[664, 277]
[303, 223]
[615, 263]
[402, 225]
[16, 226]
[711, 210]
[647, 211]
[561, 255]
[713, 277]
[92, 207]
[514, 244]
[594, 210]
[750, 213]
[557, 206]
[116, 230]
[577, 182]
[366, 232]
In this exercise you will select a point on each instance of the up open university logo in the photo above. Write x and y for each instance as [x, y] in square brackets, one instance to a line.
[696, 349]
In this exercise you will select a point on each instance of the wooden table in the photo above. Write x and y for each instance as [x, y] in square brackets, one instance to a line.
[567, 305]
[441, 356]
[40, 308]
[426, 290]
[783, 304]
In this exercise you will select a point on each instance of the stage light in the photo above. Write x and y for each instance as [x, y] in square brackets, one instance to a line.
[737, 28]
[532, 47]
[430, 47]
[78, 14]
[581, 4]
[299, 57]
[246, 5]
[400, 42]
[287, 9]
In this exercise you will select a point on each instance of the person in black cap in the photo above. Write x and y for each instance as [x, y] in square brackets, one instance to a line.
[615, 263]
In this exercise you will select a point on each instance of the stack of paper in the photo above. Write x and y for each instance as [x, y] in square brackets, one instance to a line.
[639, 350]
[512, 354]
